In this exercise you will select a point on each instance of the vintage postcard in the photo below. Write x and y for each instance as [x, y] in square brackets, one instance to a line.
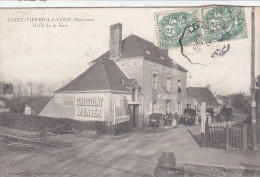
[161, 92]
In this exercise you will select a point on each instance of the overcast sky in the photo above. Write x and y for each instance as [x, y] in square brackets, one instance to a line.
[55, 54]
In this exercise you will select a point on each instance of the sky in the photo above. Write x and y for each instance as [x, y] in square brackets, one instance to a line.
[53, 55]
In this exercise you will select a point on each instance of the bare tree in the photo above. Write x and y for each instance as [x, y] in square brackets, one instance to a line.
[18, 88]
[40, 87]
[25, 91]
[31, 86]
[49, 91]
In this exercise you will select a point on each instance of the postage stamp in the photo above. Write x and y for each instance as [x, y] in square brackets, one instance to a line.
[223, 24]
[201, 25]
[177, 29]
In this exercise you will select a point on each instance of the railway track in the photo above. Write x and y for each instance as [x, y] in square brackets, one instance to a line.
[17, 170]
[86, 160]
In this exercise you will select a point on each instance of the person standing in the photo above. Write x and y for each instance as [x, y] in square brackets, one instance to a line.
[209, 120]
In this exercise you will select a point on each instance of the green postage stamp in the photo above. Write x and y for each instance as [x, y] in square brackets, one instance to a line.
[189, 27]
[178, 28]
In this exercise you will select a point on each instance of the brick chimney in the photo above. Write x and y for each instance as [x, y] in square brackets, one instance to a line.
[115, 45]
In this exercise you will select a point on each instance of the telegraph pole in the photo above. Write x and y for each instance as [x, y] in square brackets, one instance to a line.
[253, 102]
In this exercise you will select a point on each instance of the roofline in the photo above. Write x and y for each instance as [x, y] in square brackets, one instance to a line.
[142, 55]
[134, 82]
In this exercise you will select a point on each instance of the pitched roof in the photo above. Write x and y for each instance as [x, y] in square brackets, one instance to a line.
[103, 75]
[134, 46]
[37, 103]
[202, 94]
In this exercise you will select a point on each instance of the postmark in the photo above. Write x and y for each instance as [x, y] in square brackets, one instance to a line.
[223, 23]
[175, 26]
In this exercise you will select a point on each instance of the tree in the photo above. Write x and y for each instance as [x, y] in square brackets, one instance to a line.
[18, 88]
[40, 89]
[31, 86]
[240, 101]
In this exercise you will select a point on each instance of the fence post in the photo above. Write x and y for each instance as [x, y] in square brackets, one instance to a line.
[227, 137]
[206, 135]
[244, 137]
[203, 121]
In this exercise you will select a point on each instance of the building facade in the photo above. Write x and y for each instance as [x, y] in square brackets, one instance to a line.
[127, 83]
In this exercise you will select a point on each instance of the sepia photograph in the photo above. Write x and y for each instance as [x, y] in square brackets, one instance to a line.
[110, 92]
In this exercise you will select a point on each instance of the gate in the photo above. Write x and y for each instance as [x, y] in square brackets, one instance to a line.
[237, 138]
[215, 136]
[225, 137]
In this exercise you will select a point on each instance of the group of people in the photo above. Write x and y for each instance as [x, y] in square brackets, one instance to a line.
[178, 119]
[186, 119]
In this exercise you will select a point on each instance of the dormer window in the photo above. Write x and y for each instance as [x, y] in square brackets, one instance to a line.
[148, 52]
[162, 58]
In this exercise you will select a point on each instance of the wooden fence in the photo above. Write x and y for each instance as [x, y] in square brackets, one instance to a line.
[226, 137]
[215, 136]
[236, 138]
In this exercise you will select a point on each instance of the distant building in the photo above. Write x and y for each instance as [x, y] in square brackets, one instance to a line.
[6, 90]
[197, 95]
[127, 83]
[224, 101]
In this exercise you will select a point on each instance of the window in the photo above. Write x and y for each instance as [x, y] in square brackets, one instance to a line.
[154, 107]
[168, 86]
[188, 106]
[179, 86]
[155, 81]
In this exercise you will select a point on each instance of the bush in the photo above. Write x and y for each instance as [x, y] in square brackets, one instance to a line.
[17, 107]
[47, 124]
[227, 111]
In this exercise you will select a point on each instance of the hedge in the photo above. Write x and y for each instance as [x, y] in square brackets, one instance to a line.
[55, 125]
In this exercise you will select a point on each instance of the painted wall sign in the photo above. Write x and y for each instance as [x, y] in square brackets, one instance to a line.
[66, 99]
[164, 69]
[165, 96]
[132, 63]
[89, 107]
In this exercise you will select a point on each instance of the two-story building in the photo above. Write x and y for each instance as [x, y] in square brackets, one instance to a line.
[133, 75]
